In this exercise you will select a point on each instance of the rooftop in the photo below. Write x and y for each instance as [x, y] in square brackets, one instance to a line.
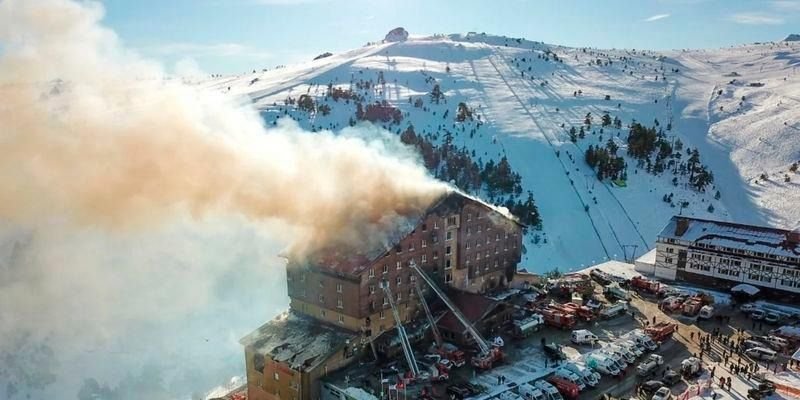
[760, 239]
[474, 307]
[299, 341]
[348, 262]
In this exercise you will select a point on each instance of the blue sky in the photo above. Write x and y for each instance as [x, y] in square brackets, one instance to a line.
[229, 36]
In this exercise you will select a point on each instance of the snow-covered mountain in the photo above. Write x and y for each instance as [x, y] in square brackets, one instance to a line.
[736, 109]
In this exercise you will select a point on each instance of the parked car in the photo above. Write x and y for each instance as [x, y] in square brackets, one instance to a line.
[663, 393]
[748, 308]
[649, 388]
[671, 377]
[758, 314]
[583, 336]
[458, 391]
[773, 318]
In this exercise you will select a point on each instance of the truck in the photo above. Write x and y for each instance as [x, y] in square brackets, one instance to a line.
[450, 352]
[661, 331]
[613, 291]
[601, 276]
[602, 363]
[582, 312]
[558, 319]
[564, 386]
[618, 308]
[523, 328]
[583, 336]
[644, 285]
[650, 365]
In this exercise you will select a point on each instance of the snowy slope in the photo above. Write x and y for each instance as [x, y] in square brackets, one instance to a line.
[527, 100]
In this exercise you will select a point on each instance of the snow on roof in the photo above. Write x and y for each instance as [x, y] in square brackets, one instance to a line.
[747, 288]
[615, 268]
[767, 240]
[299, 341]
[648, 258]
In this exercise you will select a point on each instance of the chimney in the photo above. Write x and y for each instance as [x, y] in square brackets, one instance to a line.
[681, 225]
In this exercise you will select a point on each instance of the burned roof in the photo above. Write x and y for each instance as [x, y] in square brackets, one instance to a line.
[299, 341]
[767, 240]
[350, 262]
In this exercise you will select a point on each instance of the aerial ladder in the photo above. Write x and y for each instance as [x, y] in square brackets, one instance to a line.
[488, 354]
[435, 329]
[447, 350]
[401, 333]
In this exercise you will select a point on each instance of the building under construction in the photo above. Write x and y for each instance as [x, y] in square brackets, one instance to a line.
[342, 304]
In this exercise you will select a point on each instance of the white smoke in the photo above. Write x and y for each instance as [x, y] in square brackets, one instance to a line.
[140, 219]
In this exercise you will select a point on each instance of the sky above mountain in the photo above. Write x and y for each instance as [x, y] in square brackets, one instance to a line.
[229, 36]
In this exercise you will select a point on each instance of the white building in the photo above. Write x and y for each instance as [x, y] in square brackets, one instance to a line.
[723, 254]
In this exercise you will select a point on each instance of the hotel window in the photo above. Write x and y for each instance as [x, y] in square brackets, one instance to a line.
[303, 277]
[338, 288]
[451, 221]
[398, 248]
[446, 250]
[339, 303]
[323, 313]
[468, 244]
[372, 272]
[495, 250]
[424, 227]
[469, 231]
[479, 228]
[670, 250]
[668, 260]
[435, 255]
[399, 265]
[399, 281]
[321, 298]
[469, 216]
[478, 255]
[448, 278]
[497, 237]
[385, 301]
[487, 240]
[382, 315]
[449, 235]
[399, 296]
[412, 278]
[424, 244]
[341, 319]
[371, 289]
[411, 245]
[447, 264]
[385, 268]
[435, 224]
[424, 258]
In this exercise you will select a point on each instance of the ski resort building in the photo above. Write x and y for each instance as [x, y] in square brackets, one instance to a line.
[341, 302]
[723, 254]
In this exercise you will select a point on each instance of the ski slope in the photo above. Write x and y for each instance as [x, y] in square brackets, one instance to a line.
[528, 99]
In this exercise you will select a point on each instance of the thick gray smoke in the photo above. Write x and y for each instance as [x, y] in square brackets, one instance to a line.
[140, 218]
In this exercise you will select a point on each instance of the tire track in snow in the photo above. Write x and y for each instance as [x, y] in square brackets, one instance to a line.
[605, 185]
[553, 147]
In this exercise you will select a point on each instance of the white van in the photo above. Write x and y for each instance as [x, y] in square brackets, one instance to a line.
[529, 392]
[583, 336]
[602, 363]
[626, 354]
[615, 357]
[643, 339]
[706, 312]
[590, 377]
[761, 353]
[777, 342]
[550, 391]
[570, 376]
[632, 346]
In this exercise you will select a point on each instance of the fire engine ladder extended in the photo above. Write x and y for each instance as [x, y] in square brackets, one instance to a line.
[401, 332]
[479, 340]
[434, 328]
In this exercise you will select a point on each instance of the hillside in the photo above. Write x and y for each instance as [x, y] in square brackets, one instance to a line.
[706, 125]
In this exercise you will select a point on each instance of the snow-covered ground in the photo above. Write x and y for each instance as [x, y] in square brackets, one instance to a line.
[527, 101]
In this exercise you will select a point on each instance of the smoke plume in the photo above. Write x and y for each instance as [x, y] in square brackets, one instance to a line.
[133, 208]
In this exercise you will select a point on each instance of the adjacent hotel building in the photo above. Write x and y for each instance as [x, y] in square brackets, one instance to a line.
[724, 254]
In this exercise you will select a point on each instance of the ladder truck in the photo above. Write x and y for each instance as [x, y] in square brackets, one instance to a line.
[488, 355]
[446, 350]
[413, 368]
